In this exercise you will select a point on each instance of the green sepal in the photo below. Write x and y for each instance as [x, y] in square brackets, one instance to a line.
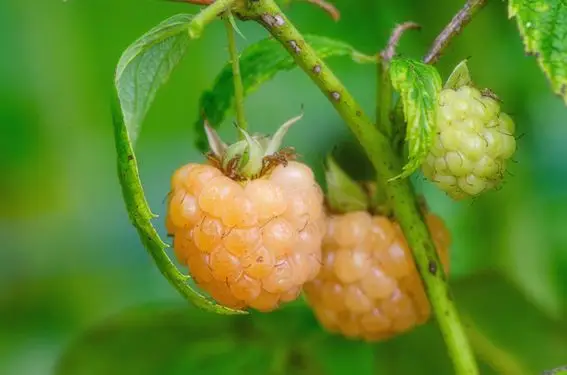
[343, 193]
[459, 77]
[253, 165]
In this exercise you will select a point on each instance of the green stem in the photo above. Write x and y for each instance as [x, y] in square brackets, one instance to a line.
[141, 216]
[387, 165]
[236, 77]
[208, 15]
[452, 29]
[384, 98]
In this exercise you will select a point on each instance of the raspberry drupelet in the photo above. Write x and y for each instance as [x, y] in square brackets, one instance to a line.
[250, 233]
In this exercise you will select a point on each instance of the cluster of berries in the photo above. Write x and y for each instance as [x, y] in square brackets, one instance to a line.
[260, 237]
[254, 228]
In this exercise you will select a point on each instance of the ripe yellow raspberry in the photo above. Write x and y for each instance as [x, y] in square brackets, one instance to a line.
[473, 142]
[368, 286]
[252, 240]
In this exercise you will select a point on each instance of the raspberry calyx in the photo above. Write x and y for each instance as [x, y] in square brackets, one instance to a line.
[252, 157]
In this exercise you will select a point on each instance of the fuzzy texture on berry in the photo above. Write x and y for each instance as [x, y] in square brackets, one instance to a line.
[473, 142]
[252, 243]
[369, 287]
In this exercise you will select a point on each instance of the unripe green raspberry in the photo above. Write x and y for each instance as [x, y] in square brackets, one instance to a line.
[473, 142]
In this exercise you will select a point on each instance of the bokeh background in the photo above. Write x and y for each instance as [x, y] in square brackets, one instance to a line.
[75, 282]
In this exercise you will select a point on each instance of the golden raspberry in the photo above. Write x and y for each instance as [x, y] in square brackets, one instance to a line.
[368, 286]
[251, 243]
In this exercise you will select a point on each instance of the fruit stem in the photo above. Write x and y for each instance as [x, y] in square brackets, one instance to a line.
[141, 216]
[453, 28]
[387, 164]
[208, 15]
[236, 77]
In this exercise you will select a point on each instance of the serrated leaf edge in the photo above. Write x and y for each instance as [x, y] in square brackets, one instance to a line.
[415, 160]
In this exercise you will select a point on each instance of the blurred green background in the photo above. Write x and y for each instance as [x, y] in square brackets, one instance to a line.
[76, 280]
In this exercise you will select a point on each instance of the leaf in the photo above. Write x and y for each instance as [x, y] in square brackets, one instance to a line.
[543, 26]
[337, 355]
[141, 215]
[146, 65]
[148, 340]
[505, 329]
[419, 85]
[259, 63]
[460, 76]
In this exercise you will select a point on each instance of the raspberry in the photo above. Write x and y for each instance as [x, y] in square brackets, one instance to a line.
[252, 240]
[473, 142]
[368, 286]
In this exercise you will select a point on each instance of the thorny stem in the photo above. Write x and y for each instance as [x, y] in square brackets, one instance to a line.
[387, 164]
[237, 79]
[459, 21]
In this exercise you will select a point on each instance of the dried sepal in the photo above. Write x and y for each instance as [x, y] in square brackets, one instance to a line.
[216, 145]
[276, 141]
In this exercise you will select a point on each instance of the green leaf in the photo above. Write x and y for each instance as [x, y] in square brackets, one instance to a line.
[343, 193]
[557, 371]
[141, 216]
[259, 63]
[337, 355]
[543, 26]
[148, 340]
[505, 329]
[460, 76]
[146, 65]
[419, 85]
